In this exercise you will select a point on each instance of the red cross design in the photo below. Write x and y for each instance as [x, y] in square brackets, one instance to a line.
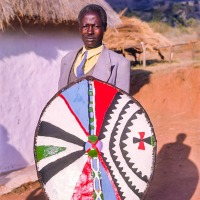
[141, 143]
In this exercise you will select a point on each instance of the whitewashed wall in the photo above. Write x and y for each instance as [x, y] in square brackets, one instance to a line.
[29, 72]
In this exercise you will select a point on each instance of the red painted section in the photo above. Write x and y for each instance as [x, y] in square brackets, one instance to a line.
[141, 144]
[84, 187]
[142, 135]
[104, 95]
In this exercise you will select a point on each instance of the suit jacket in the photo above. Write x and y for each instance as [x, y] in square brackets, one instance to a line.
[110, 67]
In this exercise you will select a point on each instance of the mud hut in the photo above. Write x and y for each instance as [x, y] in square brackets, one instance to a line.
[34, 36]
[48, 12]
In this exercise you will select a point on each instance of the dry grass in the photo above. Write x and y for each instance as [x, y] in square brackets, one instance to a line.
[6, 13]
[49, 11]
[131, 33]
[25, 187]
[179, 34]
[186, 40]
[157, 36]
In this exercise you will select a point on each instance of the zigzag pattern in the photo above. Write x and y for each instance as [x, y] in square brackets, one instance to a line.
[116, 155]
[108, 116]
[112, 145]
[124, 136]
[133, 129]
[108, 124]
[111, 123]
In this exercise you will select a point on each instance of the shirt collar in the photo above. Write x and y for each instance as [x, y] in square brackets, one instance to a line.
[92, 52]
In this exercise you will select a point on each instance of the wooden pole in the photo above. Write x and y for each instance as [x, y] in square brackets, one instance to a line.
[140, 59]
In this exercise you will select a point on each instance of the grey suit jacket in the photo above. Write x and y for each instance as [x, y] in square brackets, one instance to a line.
[110, 67]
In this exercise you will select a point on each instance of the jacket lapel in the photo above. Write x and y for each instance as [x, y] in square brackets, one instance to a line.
[102, 69]
[70, 63]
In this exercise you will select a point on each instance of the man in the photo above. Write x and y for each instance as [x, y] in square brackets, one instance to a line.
[94, 58]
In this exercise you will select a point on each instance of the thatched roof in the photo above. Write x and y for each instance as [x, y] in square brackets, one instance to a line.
[131, 33]
[48, 11]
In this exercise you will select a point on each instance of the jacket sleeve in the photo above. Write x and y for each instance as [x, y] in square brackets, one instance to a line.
[61, 78]
[123, 75]
[65, 67]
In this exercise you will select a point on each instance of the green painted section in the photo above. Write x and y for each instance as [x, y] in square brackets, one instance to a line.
[99, 175]
[102, 196]
[93, 153]
[153, 142]
[91, 109]
[47, 151]
[90, 93]
[93, 174]
[95, 195]
[92, 138]
[91, 119]
[91, 127]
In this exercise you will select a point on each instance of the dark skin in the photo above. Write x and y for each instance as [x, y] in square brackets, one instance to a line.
[91, 30]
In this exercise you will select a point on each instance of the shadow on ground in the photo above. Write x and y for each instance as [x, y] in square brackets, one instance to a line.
[176, 176]
[139, 78]
[37, 194]
[10, 157]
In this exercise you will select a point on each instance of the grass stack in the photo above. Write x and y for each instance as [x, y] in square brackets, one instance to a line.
[131, 34]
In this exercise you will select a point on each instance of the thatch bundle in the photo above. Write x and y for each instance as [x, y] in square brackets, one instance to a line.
[131, 33]
[6, 13]
[49, 11]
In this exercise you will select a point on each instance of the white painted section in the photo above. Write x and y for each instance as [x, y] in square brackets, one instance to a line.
[59, 115]
[61, 185]
[29, 73]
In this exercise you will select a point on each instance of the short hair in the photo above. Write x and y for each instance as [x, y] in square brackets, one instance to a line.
[94, 8]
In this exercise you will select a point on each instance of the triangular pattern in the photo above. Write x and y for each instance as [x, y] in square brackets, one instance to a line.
[84, 186]
[125, 153]
[133, 129]
[47, 151]
[117, 108]
[116, 154]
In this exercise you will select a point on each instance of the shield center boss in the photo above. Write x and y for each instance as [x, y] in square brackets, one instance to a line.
[93, 146]
[94, 141]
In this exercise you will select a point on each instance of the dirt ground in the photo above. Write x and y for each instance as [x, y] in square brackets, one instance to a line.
[171, 96]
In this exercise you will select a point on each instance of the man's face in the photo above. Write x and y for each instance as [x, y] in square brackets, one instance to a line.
[91, 30]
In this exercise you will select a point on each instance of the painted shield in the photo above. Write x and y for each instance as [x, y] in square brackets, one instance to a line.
[93, 141]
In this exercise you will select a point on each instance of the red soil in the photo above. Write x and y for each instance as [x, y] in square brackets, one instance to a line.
[172, 92]
[171, 98]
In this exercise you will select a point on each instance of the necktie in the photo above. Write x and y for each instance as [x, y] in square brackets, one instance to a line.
[79, 70]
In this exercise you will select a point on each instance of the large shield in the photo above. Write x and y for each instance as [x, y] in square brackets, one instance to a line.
[94, 141]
